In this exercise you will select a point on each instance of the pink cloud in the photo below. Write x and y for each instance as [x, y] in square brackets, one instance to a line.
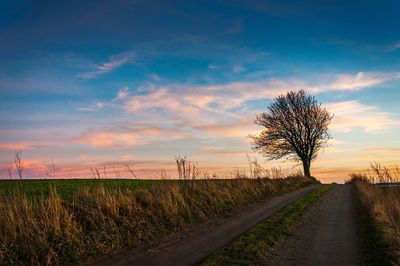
[241, 130]
[15, 146]
[33, 168]
[211, 148]
[143, 169]
[126, 138]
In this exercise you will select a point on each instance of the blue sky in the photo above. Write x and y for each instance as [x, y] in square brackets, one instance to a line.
[110, 82]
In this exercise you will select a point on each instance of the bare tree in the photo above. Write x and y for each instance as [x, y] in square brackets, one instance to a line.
[295, 127]
[19, 164]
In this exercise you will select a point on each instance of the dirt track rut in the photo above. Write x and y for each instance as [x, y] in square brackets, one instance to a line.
[327, 235]
[191, 248]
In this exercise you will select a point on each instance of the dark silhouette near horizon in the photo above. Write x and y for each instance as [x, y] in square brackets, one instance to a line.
[296, 128]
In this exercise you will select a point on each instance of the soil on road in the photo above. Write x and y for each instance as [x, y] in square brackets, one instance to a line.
[327, 234]
[188, 248]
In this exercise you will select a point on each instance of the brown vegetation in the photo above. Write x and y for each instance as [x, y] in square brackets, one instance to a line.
[383, 204]
[53, 230]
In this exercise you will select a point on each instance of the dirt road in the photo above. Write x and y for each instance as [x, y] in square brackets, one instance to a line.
[327, 235]
[191, 247]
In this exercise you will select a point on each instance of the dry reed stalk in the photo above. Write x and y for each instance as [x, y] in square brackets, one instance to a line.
[384, 204]
[51, 230]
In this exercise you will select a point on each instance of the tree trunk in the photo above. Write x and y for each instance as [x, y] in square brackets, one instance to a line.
[306, 168]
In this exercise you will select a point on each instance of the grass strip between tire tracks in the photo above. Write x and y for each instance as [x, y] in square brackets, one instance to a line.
[255, 247]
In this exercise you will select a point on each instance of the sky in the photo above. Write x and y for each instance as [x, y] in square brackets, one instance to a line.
[89, 84]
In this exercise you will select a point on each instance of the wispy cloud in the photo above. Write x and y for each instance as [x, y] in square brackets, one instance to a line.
[360, 80]
[241, 129]
[230, 95]
[122, 94]
[122, 138]
[228, 105]
[351, 115]
[15, 146]
[211, 148]
[92, 108]
[114, 62]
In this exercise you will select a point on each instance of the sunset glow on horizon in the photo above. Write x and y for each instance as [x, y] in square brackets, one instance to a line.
[108, 83]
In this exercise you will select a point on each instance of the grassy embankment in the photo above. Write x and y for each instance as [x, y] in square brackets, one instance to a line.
[93, 220]
[379, 216]
[256, 246]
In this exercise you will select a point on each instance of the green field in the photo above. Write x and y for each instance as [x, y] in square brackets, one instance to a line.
[67, 187]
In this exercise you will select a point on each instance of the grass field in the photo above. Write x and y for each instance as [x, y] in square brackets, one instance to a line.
[66, 188]
[256, 246]
[96, 220]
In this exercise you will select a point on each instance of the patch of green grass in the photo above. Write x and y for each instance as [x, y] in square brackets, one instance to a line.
[255, 246]
[66, 188]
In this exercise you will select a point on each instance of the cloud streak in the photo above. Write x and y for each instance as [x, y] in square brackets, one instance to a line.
[122, 138]
[113, 63]
[92, 108]
[15, 146]
[361, 80]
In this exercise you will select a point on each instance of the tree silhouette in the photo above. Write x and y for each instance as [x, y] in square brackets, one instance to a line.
[295, 127]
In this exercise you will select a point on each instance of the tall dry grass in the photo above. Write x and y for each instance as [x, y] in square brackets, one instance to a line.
[378, 174]
[383, 204]
[97, 221]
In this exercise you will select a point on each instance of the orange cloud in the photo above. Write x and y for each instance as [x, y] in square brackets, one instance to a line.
[211, 148]
[240, 129]
[15, 146]
[131, 137]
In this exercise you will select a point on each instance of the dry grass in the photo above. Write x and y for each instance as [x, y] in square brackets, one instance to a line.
[383, 204]
[98, 221]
